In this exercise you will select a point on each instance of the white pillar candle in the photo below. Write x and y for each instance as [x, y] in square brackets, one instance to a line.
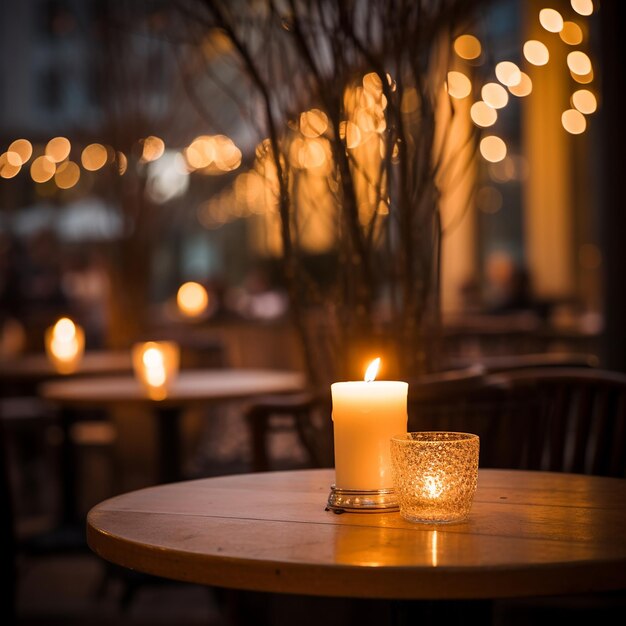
[366, 415]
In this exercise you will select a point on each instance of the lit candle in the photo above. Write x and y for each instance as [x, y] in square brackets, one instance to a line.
[366, 414]
[65, 343]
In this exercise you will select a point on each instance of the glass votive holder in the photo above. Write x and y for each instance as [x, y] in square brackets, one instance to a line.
[156, 365]
[435, 475]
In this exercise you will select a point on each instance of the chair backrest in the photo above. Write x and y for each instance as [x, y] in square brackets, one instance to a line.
[548, 418]
[570, 419]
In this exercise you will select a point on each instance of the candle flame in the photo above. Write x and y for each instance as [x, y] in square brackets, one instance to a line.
[372, 370]
[64, 329]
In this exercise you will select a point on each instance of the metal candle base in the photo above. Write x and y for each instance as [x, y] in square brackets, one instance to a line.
[355, 501]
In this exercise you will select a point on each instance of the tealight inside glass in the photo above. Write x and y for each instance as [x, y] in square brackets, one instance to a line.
[435, 475]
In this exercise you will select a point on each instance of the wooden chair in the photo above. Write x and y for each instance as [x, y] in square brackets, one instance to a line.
[569, 419]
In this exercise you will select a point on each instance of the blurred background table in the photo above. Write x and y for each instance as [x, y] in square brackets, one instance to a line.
[191, 388]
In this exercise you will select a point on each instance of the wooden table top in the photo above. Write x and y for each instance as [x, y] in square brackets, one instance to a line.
[528, 534]
[37, 366]
[190, 386]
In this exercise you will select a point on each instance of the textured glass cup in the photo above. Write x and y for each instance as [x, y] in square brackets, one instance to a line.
[435, 475]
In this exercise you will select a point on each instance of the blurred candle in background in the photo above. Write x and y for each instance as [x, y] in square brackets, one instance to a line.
[156, 364]
[366, 415]
[65, 344]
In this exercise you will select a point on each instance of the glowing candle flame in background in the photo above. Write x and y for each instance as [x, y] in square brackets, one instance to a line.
[65, 342]
[156, 364]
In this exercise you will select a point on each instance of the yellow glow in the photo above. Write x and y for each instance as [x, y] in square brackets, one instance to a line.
[524, 88]
[313, 123]
[571, 34]
[551, 20]
[582, 7]
[192, 299]
[372, 370]
[573, 121]
[42, 169]
[23, 148]
[536, 52]
[494, 95]
[483, 115]
[579, 63]
[153, 148]
[584, 101]
[493, 149]
[67, 175]
[584, 79]
[508, 73]
[467, 47]
[93, 157]
[58, 149]
[459, 85]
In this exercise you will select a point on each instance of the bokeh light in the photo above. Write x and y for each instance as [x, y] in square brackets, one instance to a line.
[122, 163]
[551, 20]
[93, 157]
[508, 73]
[23, 148]
[524, 88]
[573, 121]
[582, 7]
[583, 79]
[42, 169]
[493, 148]
[459, 85]
[58, 149]
[571, 34]
[483, 115]
[584, 101]
[579, 63]
[494, 95]
[10, 164]
[467, 47]
[192, 299]
[314, 123]
[536, 52]
[153, 148]
[67, 175]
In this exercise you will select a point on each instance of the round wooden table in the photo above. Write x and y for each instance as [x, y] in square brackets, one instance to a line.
[191, 388]
[528, 534]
